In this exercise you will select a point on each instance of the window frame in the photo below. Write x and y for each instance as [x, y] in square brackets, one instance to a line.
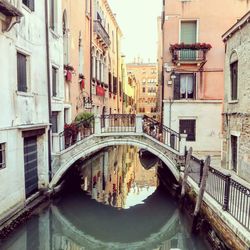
[56, 124]
[193, 139]
[25, 87]
[3, 153]
[30, 4]
[54, 84]
[234, 96]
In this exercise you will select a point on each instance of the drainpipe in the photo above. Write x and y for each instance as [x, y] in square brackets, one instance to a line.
[117, 71]
[90, 49]
[48, 85]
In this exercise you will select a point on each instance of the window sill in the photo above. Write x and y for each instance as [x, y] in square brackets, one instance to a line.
[54, 33]
[57, 99]
[25, 94]
[26, 8]
[233, 101]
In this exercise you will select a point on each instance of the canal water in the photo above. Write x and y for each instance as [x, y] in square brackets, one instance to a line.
[108, 202]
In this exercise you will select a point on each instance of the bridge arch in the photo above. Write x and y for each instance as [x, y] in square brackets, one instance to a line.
[94, 144]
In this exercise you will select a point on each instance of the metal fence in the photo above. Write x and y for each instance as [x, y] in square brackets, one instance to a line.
[161, 133]
[76, 132]
[230, 194]
[118, 123]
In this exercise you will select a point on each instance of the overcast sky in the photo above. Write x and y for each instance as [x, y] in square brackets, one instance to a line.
[138, 22]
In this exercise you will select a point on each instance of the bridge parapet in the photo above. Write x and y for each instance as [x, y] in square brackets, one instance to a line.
[121, 129]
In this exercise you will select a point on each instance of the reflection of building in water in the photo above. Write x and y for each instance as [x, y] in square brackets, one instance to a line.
[114, 173]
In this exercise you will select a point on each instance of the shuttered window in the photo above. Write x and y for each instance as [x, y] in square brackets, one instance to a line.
[110, 82]
[54, 122]
[54, 81]
[234, 152]
[52, 14]
[188, 127]
[234, 80]
[188, 32]
[30, 4]
[2, 156]
[21, 72]
[114, 85]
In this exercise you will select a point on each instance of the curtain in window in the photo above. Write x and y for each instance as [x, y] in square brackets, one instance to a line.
[190, 84]
[183, 85]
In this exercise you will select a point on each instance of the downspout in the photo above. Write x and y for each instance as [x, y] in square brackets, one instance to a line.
[90, 51]
[117, 72]
[48, 85]
[162, 73]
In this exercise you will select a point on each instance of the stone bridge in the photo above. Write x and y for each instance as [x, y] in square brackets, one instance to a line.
[116, 129]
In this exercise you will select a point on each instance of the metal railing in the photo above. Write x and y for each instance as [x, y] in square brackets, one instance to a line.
[161, 133]
[78, 132]
[101, 32]
[230, 194]
[118, 123]
[189, 55]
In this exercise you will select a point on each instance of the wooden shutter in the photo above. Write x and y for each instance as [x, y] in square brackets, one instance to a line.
[110, 82]
[188, 127]
[188, 32]
[54, 81]
[21, 73]
[234, 152]
[32, 5]
[177, 87]
[54, 122]
[234, 80]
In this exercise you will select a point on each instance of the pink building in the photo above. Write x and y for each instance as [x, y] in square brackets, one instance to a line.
[193, 65]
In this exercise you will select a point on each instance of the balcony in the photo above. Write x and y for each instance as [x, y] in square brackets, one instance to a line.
[189, 53]
[102, 34]
[11, 12]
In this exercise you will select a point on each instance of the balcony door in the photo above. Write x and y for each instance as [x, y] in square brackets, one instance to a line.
[188, 35]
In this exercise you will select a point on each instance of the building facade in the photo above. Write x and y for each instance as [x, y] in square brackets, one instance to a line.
[106, 91]
[236, 109]
[146, 87]
[24, 122]
[193, 65]
[76, 28]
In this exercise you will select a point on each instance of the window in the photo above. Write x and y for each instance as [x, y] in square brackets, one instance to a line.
[184, 86]
[30, 4]
[21, 72]
[234, 152]
[52, 14]
[143, 90]
[110, 82]
[188, 32]
[54, 81]
[188, 127]
[54, 121]
[2, 156]
[234, 80]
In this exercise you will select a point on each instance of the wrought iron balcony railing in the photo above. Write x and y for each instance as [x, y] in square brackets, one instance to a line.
[101, 33]
[189, 53]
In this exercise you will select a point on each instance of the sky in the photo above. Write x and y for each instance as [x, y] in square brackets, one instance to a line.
[138, 22]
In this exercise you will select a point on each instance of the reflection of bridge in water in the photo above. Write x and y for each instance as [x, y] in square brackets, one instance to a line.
[96, 226]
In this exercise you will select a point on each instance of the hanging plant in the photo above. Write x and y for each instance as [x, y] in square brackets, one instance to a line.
[194, 46]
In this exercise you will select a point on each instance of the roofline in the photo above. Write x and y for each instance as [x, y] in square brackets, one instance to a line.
[237, 26]
[112, 16]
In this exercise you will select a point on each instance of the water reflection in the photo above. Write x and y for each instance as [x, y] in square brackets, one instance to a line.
[115, 177]
[117, 205]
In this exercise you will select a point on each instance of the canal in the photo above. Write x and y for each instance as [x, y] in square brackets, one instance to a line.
[109, 201]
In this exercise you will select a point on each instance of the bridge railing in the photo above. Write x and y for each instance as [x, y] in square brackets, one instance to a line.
[118, 123]
[161, 133]
[233, 196]
[76, 132]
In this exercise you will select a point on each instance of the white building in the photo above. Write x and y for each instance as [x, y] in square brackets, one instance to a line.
[24, 117]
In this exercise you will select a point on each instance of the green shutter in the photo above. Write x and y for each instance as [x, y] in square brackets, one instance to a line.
[188, 32]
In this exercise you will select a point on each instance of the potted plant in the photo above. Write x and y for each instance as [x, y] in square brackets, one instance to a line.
[68, 71]
[85, 122]
[70, 134]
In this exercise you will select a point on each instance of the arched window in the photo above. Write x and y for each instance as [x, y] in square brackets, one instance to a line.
[93, 62]
[65, 38]
[234, 76]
